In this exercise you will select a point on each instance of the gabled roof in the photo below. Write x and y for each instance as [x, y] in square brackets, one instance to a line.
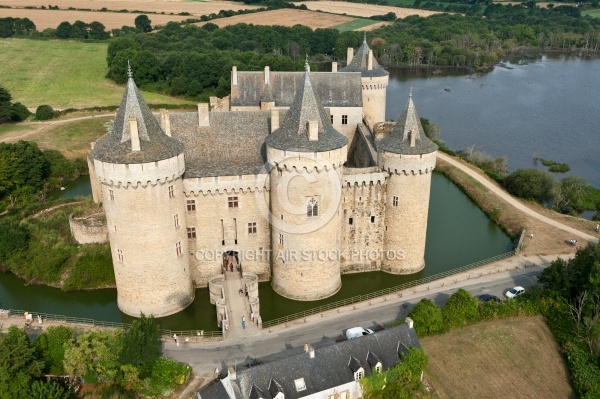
[354, 364]
[338, 89]
[275, 388]
[372, 359]
[155, 145]
[293, 133]
[359, 63]
[328, 369]
[398, 141]
[256, 393]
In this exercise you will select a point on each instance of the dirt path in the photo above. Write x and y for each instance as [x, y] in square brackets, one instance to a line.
[499, 192]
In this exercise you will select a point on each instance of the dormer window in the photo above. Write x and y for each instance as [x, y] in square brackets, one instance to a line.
[378, 368]
[359, 374]
[300, 385]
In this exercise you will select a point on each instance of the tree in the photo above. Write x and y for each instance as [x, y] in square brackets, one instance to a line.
[5, 105]
[97, 31]
[530, 184]
[142, 345]
[47, 390]
[14, 237]
[44, 112]
[570, 191]
[427, 317]
[94, 356]
[63, 31]
[18, 364]
[19, 112]
[51, 346]
[143, 23]
[460, 309]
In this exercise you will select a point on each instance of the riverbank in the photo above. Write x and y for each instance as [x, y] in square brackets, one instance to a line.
[547, 232]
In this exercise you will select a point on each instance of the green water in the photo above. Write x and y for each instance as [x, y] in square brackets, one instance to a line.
[458, 233]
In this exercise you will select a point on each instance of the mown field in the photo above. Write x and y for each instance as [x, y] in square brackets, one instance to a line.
[286, 17]
[499, 359]
[363, 10]
[62, 74]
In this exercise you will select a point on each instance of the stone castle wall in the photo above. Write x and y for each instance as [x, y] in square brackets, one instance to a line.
[88, 230]
[147, 231]
[220, 227]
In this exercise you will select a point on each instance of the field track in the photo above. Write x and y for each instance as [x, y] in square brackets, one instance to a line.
[167, 6]
[361, 9]
[285, 17]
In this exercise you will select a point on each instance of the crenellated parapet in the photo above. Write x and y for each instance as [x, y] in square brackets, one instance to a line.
[406, 164]
[217, 185]
[363, 176]
[140, 174]
[307, 162]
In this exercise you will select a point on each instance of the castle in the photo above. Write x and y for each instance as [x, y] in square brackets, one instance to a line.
[296, 177]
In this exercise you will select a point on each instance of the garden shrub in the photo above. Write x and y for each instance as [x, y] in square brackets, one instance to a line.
[44, 113]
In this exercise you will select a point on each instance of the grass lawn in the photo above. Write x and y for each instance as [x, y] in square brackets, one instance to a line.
[592, 13]
[356, 24]
[12, 128]
[503, 358]
[63, 74]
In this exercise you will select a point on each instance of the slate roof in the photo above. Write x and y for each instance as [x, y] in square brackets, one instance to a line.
[359, 63]
[372, 359]
[329, 368]
[232, 145]
[398, 141]
[256, 393]
[292, 134]
[354, 364]
[337, 89]
[155, 145]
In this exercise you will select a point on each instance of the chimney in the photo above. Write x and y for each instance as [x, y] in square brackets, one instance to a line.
[231, 373]
[334, 66]
[310, 350]
[234, 76]
[412, 136]
[203, 119]
[349, 55]
[409, 322]
[313, 130]
[274, 120]
[267, 75]
[135, 136]
[165, 121]
[370, 60]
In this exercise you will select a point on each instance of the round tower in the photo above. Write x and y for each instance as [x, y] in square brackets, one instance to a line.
[306, 155]
[408, 157]
[140, 171]
[374, 81]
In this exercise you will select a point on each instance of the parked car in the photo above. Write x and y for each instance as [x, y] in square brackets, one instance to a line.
[356, 332]
[514, 292]
[488, 298]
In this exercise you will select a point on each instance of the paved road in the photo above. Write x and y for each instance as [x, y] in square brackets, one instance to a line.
[318, 331]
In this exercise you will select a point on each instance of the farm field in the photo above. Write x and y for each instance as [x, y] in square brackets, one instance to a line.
[285, 17]
[44, 19]
[62, 74]
[156, 6]
[362, 10]
[493, 359]
[360, 24]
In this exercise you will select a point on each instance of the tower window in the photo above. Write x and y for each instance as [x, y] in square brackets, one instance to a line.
[344, 119]
[372, 219]
[171, 192]
[252, 228]
[232, 202]
[178, 248]
[312, 208]
[280, 239]
[331, 117]
[191, 232]
[111, 194]
[120, 255]
[394, 201]
[191, 205]
[350, 221]
[176, 221]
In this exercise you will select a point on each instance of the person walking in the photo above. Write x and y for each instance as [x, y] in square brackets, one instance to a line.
[244, 322]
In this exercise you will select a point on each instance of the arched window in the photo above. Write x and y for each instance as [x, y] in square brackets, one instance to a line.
[312, 208]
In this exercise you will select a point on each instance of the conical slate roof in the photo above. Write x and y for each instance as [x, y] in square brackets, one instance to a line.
[293, 133]
[155, 145]
[399, 140]
[359, 63]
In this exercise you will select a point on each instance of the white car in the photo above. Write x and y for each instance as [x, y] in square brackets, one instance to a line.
[514, 292]
[356, 332]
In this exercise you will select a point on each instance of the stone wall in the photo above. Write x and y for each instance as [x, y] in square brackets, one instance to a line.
[90, 229]
[374, 94]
